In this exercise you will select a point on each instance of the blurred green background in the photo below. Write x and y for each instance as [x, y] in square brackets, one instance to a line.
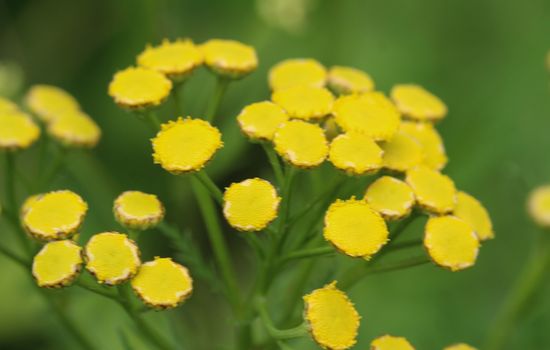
[485, 59]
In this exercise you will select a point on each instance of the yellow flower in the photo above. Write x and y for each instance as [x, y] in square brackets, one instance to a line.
[162, 283]
[451, 242]
[301, 144]
[296, 72]
[402, 153]
[175, 59]
[229, 58]
[370, 113]
[55, 215]
[417, 103]
[332, 318]
[538, 205]
[389, 342]
[250, 205]
[186, 145]
[76, 129]
[138, 210]
[17, 130]
[112, 257]
[472, 211]
[7, 106]
[347, 80]
[304, 102]
[138, 88]
[460, 346]
[260, 120]
[29, 202]
[391, 197]
[434, 191]
[354, 228]
[47, 102]
[357, 154]
[432, 144]
[57, 264]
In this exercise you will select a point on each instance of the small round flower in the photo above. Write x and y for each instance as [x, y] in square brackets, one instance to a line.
[17, 130]
[432, 144]
[47, 102]
[354, 228]
[174, 59]
[162, 283]
[112, 257]
[451, 242]
[55, 215]
[538, 205]
[417, 103]
[229, 58]
[250, 205]
[75, 129]
[27, 203]
[57, 264]
[474, 213]
[402, 152]
[304, 102]
[348, 80]
[391, 197]
[357, 154]
[434, 191]
[332, 318]
[301, 144]
[138, 210]
[460, 346]
[297, 72]
[260, 120]
[138, 88]
[389, 342]
[186, 145]
[7, 106]
[371, 113]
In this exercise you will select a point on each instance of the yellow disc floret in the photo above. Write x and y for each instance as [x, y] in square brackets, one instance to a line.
[76, 129]
[402, 152]
[297, 72]
[301, 144]
[304, 102]
[473, 212]
[460, 346]
[229, 58]
[390, 342]
[7, 105]
[175, 59]
[347, 80]
[357, 154]
[434, 191]
[57, 264]
[260, 120]
[17, 130]
[391, 197]
[538, 205]
[417, 103]
[138, 88]
[48, 102]
[432, 144]
[138, 210]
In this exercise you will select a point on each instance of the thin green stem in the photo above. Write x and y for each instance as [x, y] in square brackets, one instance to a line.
[177, 92]
[54, 168]
[221, 87]
[97, 289]
[294, 292]
[275, 163]
[308, 253]
[133, 234]
[14, 257]
[209, 185]
[274, 332]
[402, 245]
[150, 117]
[285, 206]
[403, 224]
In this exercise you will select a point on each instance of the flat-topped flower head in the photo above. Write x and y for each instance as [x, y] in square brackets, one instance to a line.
[17, 131]
[371, 113]
[48, 102]
[260, 120]
[474, 213]
[402, 152]
[57, 264]
[391, 197]
[55, 215]
[229, 58]
[27, 203]
[356, 154]
[301, 144]
[354, 228]
[186, 145]
[433, 149]
[348, 80]
[138, 210]
[304, 102]
[390, 342]
[112, 258]
[538, 205]
[162, 283]
[297, 72]
[75, 129]
[139, 88]
[434, 191]
[7, 105]
[417, 103]
[332, 318]
[451, 242]
[176, 59]
[460, 346]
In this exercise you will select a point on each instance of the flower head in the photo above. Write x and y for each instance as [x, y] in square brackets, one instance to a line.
[229, 58]
[138, 210]
[391, 197]
[260, 120]
[402, 152]
[390, 342]
[474, 213]
[434, 191]
[301, 144]
[48, 102]
[417, 103]
[348, 80]
[76, 129]
[432, 144]
[297, 72]
[175, 59]
[57, 264]
[17, 130]
[355, 153]
[304, 102]
[7, 106]
[538, 205]
[460, 346]
[138, 88]
[28, 203]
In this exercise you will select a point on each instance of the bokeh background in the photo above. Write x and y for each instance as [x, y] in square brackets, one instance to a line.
[485, 58]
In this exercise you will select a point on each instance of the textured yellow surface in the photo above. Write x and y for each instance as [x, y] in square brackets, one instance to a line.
[260, 120]
[47, 101]
[402, 152]
[391, 197]
[27, 203]
[357, 154]
[460, 346]
[417, 103]
[474, 213]
[176, 59]
[17, 130]
[432, 145]
[297, 72]
[138, 210]
[57, 264]
[434, 191]
[229, 58]
[347, 80]
[304, 102]
[137, 87]
[74, 128]
[7, 105]
[300, 143]
[389, 342]
[538, 205]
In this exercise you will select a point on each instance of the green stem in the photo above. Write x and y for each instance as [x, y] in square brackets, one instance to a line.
[133, 234]
[176, 97]
[403, 224]
[209, 185]
[285, 206]
[54, 168]
[214, 105]
[308, 253]
[275, 163]
[274, 332]
[152, 120]
[14, 257]
[97, 289]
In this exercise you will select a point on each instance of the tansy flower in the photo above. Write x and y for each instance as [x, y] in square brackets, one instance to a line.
[250, 205]
[370, 113]
[175, 59]
[186, 145]
[347, 80]
[304, 102]
[434, 191]
[354, 228]
[7, 106]
[75, 129]
[260, 120]
[357, 154]
[538, 205]
[162, 283]
[55, 215]
[229, 58]
[402, 152]
[17, 130]
[432, 144]
[301, 144]
[138, 88]
[332, 318]
[297, 72]
[138, 210]
[417, 103]
[27, 203]
[112, 257]
[391, 197]
[389, 342]
[472, 211]
[57, 264]
[460, 346]
[451, 242]
[47, 102]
